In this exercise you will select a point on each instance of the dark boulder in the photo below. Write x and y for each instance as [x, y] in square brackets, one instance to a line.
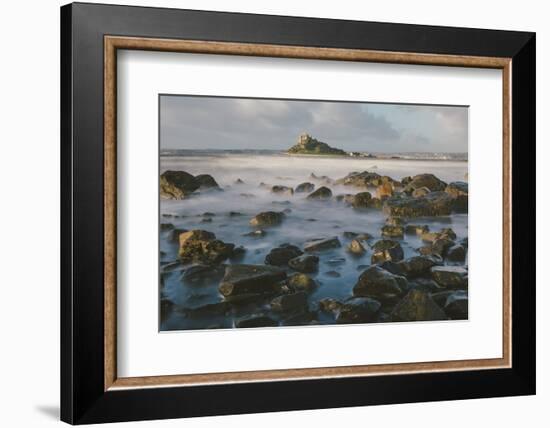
[456, 253]
[289, 302]
[453, 277]
[282, 190]
[321, 193]
[386, 249]
[301, 281]
[177, 184]
[280, 256]
[322, 244]
[200, 246]
[268, 218]
[457, 188]
[206, 181]
[305, 188]
[200, 273]
[456, 305]
[379, 284]
[429, 181]
[358, 310]
[433, 204]
[250, 279]
[393, 231]
[304, 263]
[361, 179]
[362, 200]
[417, 266]
[417, 305]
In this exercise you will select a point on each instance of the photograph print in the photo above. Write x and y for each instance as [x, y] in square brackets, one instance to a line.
[280, 212]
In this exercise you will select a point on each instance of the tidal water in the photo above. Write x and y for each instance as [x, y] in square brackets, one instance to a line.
[338, 270]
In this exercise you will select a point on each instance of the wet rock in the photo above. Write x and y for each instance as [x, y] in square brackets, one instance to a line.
[256, 321]
[364, 237]
[456, 305]
[457, 188]
[288, 302]
[166, 305]
[301, 281]
[379, 284]
[453, 277]
[395, 221]
[425, 284]
[305, 187]
[238, 253]
[361, 179]
[200, 246]
[282, 190]
[355, 247]
[456, 253]
[393, 231]
[384, 190]
[206, 181]
[260, 233]
[417, 305]
[433, 204]
[268, 218]
[346, 198]
[393, 267]
[362, 200]
[250, 279]
[349, 235]
[206, 220]
[358, 310]
[460, 204]
[329, 305]
[321, 193]
[322, 244]
[235, 214]
[177, 184]
[166, 226]
[333, 274]
[415, 229]
[238, 181]
[386, 249]
[441, 245]
[417, 266]
[201, 272]
[175, 234]
[280, 256]
[421, 191]
[429, 181]
[172, 267]
[304, 263]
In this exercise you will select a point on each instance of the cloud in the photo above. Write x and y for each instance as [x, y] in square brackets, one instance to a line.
[216, 123]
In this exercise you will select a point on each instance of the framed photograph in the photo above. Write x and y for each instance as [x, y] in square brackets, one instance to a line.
[266, 213]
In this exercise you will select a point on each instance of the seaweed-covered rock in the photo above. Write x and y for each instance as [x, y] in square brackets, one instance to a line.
[416, 229]
[282, 190]
[244, 279]
[305, 263]
[362, 200]
[393, 231]
[417, 305]
[433, 204]
[417, 266]
[358, 310]
[355, 247]
[268, 218]
[429, 181]
[305, 187]
[177, 184]
[301, 281]
[280, 256]
[322, 244]
[379, 284]
[456, 253]
[288, 302]
[200, 246]
[456, 305]
[457, 188]
[321, 193]
[453, 277]
[387, 249]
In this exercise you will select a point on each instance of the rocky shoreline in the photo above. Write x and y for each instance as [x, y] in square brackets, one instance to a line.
[389, 285]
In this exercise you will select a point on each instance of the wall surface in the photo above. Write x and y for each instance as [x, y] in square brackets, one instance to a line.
[29, 225]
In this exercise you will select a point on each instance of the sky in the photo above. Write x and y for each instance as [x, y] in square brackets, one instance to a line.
[191, 122]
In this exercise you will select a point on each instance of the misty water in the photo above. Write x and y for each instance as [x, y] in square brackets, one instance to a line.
[307, 220]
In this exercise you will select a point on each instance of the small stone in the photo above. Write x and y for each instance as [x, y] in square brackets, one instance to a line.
[453, 277]
[304, 263]
[322, 244]
[379, 284]
[301, 281]
[417, 305]
[268, 218]
[387, 249]
[392, 231]
[280, 256]
[358, 310]
[305, 188]
[288, 302]
[355, 247]
[321, 193]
